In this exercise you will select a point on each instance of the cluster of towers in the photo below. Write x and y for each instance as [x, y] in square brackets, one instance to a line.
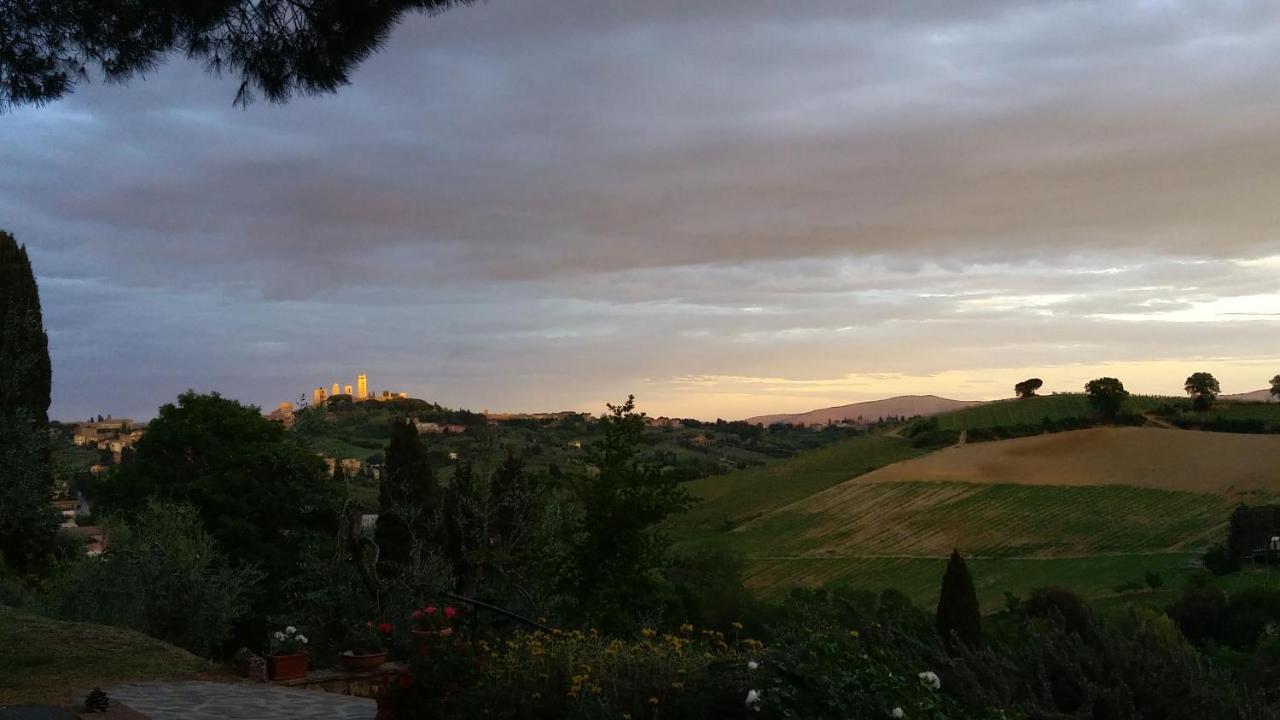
[319, 395]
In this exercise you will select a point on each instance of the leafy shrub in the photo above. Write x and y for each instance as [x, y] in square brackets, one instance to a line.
[162, 575]
[1219, 560]
[1060, 603]
[811, 673]
[708, 584]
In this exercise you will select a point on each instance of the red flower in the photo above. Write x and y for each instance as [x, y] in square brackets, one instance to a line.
[450, 612]
[415, 614]
[385, 628]
[430, 609]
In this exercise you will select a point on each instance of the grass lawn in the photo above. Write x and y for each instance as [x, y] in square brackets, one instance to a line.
[50, 661]
[921, 578]
[739, 496]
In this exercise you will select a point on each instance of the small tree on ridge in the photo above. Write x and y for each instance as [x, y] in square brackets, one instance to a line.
[1203, 389]
[1028, 388]
[1107, 395]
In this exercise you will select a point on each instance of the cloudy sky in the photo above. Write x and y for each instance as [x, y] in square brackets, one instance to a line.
[726, 208]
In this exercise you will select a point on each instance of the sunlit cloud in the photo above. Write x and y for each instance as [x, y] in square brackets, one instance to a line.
[728, 208]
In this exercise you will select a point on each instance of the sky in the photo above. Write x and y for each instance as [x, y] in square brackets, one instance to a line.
[726, 208]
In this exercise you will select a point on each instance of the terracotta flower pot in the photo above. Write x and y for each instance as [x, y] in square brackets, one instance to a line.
[363, 663]
[287, 667]
[425, 638]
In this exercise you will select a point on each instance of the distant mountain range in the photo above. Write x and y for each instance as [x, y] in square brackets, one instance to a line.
[1255, 396]
[869, 412]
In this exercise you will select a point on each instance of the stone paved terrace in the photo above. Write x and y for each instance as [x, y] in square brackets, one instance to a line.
[218, 701]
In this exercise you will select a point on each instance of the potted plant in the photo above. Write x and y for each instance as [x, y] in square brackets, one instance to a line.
[367, 649]
[287, 658]
[432, 623]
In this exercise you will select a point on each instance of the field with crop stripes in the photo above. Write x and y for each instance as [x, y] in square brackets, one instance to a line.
[1086, 509]
[931, 518]
[728, 500]
[1032, 411]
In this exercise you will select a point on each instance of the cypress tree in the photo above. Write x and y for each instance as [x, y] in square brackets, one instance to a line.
[25, 371]
[958, 611]
[28, 523]
[406, 500]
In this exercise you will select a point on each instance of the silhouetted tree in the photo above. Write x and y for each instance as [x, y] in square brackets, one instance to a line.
[277, 47]
[1275, 387]
[1028, 388]
[1107, 395]
[958, 610]
[617, 545]
[28, 523]
[407, 500]
[262, 495]
[25, 371]
[1203, 389]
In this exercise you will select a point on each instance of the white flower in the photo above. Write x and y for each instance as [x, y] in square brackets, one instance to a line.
[302, 639]
[897, 712]
[280, 635]
[931, 680]
[753, 665]
[753, 700]
[290, 630]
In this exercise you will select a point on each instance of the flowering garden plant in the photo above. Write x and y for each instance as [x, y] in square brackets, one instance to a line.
[288, 642]
[435, 619]
[370, 638]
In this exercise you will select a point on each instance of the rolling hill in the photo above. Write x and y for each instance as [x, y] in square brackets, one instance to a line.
[1034, 410]
[1219, 463]
[1089, 509]
[1263, 395]
[904, 406]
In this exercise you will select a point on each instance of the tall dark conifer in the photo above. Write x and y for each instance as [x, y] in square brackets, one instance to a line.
[958, 611]
[406, 500]
[28, 523]
[25, 371]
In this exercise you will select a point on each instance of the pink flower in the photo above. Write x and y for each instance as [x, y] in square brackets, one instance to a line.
[385, 628]
[415, 614]
[450, 612]
[430, 610]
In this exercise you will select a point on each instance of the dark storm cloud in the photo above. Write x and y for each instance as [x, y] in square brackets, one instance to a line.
[547, 203]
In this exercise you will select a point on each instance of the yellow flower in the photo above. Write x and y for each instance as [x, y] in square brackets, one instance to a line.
[648, 632]
[653, 701]
[537, 696]
[677, 685]
[854, 634]
[686, 628]
[626, 716]
[737, 626]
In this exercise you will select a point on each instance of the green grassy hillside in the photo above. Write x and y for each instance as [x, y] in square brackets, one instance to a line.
[921, 578]
[1032, 411]
[731, 499]
[804, 522]
[49, 661]
[930, 518]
